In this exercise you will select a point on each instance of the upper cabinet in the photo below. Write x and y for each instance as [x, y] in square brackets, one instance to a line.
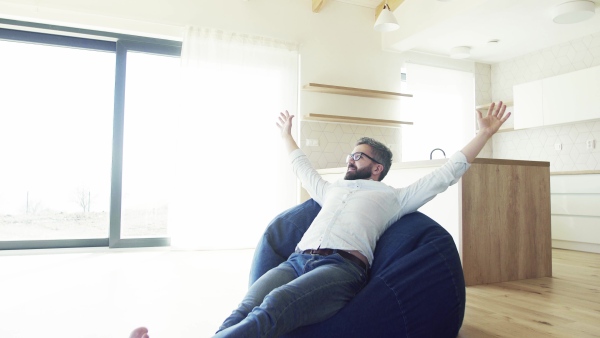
[571, 97]
[528, 105]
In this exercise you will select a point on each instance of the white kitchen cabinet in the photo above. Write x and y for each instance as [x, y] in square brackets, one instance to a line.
[566, 98]
[528, 104]
[572, 97]
[575, 215]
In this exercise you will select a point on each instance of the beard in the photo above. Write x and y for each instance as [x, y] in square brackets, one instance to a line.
[358, 174]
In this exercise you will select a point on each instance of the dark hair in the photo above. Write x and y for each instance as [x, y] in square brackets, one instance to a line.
[381, 153]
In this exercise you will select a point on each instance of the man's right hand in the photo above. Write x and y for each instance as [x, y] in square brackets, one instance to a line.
[285, 126]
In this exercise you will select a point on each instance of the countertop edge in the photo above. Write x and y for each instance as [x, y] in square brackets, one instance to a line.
[581, 172]
[483, 160]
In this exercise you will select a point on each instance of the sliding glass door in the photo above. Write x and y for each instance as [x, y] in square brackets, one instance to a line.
[83, 139]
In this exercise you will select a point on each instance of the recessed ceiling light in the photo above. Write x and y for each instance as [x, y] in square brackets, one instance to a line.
[460, 52]
[573, 12]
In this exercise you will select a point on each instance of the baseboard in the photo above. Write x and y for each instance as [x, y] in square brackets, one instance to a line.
[576, 246]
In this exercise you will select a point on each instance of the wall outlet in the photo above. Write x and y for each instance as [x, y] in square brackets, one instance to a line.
[591, 144]
[558, 146]
[311, 142]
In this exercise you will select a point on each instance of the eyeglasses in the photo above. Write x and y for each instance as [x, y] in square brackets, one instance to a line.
[356, 156]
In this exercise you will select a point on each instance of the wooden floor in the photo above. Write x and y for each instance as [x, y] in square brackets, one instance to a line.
[565, 305]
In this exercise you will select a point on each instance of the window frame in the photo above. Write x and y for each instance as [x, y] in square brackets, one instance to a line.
[120, 44]
[124, 46]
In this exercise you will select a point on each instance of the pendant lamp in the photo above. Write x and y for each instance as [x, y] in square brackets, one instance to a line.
[386, 21]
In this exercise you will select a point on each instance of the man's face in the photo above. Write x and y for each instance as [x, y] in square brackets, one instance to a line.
[361, 169]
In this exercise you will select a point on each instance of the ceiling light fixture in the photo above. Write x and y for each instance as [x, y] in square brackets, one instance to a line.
[573, 12]
[460, 52]
[386, 21]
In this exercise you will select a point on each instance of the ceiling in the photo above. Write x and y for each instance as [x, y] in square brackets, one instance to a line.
[520, 26]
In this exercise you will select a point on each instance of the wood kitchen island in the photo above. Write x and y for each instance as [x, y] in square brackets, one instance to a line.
[498, 214]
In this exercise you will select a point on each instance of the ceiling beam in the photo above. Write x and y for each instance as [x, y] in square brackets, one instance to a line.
[392, 3]
[316, 5]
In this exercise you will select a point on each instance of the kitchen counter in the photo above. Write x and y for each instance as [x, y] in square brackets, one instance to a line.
[498, 214]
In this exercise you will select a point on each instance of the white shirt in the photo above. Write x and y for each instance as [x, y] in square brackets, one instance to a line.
[356, 212]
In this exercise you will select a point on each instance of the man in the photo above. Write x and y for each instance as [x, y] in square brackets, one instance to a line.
[331, 262]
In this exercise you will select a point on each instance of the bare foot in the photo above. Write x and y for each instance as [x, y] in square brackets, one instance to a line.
[140, 332]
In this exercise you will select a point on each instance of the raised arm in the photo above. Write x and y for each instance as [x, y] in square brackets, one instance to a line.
[303, 169]
[285, 125]
[420, 192]
[488, 126]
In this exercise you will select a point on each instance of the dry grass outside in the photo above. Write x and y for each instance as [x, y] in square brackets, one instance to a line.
[79, 225]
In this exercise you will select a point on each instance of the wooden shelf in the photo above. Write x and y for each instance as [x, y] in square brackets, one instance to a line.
[356, 120]
[487, 106]
[330, 89]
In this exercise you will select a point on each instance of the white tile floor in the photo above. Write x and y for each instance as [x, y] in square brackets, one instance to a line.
[102, 293]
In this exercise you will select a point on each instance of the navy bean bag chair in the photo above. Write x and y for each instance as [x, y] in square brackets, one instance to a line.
[416, 286]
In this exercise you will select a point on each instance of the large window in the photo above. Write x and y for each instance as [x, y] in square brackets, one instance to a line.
[82, 139]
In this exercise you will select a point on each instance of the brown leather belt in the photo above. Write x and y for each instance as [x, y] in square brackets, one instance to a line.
[345, 254]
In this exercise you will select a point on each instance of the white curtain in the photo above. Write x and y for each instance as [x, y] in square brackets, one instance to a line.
[231, 172]
[442, 110]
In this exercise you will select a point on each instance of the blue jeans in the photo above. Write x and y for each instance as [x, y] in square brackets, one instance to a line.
[303, 290]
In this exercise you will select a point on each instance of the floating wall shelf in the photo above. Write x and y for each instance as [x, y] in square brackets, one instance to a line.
[355, 120]
[330, 89]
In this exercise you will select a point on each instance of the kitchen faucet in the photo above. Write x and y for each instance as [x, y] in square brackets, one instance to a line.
[431, 154]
